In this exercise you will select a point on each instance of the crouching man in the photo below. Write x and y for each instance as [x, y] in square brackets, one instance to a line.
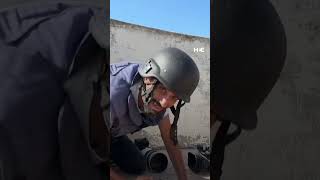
[140, 96]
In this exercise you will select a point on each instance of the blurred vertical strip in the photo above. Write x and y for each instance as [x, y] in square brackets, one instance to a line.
[107, 11]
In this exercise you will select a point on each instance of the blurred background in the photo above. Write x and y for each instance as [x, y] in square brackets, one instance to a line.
[286, 143]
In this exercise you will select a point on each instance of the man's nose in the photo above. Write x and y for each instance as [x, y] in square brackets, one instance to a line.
[164, 102]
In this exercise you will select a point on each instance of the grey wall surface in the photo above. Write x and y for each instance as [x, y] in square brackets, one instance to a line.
[137, 43]
[286, 144]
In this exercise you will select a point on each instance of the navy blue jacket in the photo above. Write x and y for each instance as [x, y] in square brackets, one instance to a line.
[41, 137]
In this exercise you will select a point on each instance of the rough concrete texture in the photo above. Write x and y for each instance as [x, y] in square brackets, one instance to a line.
[137, 43]
[286, 145]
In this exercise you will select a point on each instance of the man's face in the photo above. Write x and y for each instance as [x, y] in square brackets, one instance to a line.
[163, 97]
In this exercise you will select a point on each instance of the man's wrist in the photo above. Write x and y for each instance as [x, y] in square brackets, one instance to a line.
[182, 175]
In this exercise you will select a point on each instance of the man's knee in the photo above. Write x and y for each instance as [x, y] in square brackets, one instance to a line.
[127, 156]
[138, 167]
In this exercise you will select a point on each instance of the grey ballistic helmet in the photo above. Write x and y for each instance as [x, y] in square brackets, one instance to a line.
[249, 58]
[178, 73]
[175, 70]
[249, 55]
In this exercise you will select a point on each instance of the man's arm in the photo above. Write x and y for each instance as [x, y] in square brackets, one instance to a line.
[174, 152]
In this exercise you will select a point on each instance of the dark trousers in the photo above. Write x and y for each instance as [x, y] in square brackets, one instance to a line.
[126, 155]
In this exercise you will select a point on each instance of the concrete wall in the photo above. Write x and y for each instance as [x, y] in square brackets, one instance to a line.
[136, 43]
[286, 144]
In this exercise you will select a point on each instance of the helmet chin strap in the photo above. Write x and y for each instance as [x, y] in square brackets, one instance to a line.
[174, 125]
[146, 95]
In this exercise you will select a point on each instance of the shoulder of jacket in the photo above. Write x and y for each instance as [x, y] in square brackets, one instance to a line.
[115, 68]
[15, 21]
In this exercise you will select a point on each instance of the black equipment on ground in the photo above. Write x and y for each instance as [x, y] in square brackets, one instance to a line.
[156, 161]
[199, 160]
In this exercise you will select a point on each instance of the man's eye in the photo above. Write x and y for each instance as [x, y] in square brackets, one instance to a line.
[163, 90]
[174, 98]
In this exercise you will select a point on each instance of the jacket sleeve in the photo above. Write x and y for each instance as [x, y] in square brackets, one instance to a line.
[37, 44]
[52, 31]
